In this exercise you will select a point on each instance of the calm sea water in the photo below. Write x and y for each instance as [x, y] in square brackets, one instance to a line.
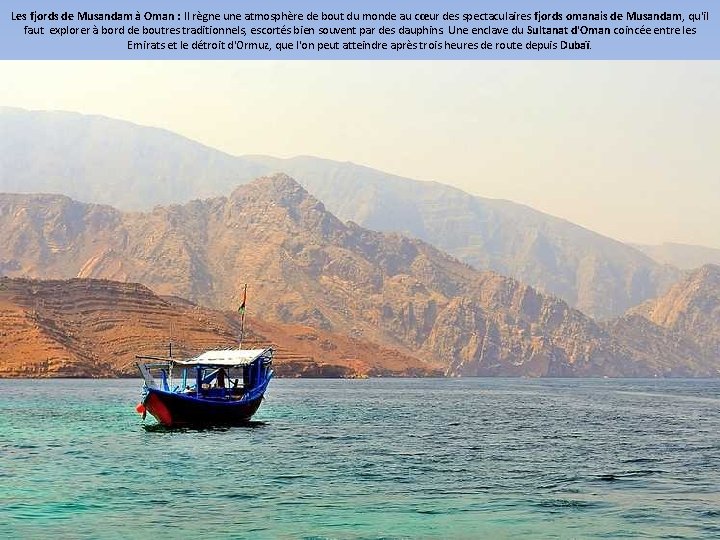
[403, 458]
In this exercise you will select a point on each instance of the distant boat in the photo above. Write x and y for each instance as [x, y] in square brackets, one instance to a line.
[218, 387]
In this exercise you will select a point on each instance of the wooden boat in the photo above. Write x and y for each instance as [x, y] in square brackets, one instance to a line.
[218, 387]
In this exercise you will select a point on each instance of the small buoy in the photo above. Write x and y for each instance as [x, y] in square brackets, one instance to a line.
[140, 408]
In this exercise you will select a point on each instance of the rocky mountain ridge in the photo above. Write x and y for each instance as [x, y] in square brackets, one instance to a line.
[690, 309]
[307, 267]
[595, 274]
[101, 160]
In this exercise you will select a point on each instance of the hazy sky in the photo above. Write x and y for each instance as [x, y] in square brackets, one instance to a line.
[628, 149]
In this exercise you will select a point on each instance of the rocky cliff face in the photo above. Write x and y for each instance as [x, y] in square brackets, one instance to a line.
[94, 328]
[67, 153]
[651, 350]
[691, 311]
[306, 267]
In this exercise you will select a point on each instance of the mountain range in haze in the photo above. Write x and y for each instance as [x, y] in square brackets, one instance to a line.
[97, 159]
[390, 292]
[683, 256]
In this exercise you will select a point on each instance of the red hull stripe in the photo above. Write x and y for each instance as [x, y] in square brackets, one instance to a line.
[158, 409]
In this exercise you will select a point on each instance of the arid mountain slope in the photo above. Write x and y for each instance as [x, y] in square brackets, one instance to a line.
[66, 153]
[691, 308]
[94, 328]
[306, 267]
[597, 275]
[678, 334]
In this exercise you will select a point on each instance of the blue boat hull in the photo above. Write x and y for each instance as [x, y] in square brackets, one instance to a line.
[177, 410]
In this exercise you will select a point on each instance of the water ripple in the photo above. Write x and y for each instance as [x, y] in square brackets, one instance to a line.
[496, 458]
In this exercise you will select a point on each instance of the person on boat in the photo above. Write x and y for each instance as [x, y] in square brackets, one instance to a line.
[220, 382]
[236, 391]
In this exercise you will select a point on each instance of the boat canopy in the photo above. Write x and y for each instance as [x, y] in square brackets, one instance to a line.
[225, 357]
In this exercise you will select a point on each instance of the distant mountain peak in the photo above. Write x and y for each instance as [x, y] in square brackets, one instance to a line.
[55, 152]
[279, 197]
[279, 187]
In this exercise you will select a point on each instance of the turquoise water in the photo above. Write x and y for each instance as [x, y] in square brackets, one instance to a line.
[403, 458]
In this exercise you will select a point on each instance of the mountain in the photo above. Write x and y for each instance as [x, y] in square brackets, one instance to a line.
[683, 256]
[677, 334]
[307, 267]
[660, 352]
[99, 160]
[595, 274]
[94, 328]
[691, 308]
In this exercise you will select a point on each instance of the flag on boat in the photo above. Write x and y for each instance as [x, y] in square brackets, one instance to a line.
[241, 309]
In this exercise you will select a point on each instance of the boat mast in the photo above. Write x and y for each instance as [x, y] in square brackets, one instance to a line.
[241, 309]
[170, 366]
[170, 340]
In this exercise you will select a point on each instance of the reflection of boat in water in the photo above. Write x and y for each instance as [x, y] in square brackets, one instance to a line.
[219, 387]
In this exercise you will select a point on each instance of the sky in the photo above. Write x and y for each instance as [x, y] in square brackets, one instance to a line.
[628, 149]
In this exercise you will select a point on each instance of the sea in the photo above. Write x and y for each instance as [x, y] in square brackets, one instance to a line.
[365, 459]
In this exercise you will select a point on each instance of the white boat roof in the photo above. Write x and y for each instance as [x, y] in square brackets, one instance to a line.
[224, 357]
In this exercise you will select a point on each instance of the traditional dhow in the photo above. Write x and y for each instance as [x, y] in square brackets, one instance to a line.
[218, 387]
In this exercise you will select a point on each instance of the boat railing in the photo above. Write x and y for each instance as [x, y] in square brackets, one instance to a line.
[238, 382]
[157, 367]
